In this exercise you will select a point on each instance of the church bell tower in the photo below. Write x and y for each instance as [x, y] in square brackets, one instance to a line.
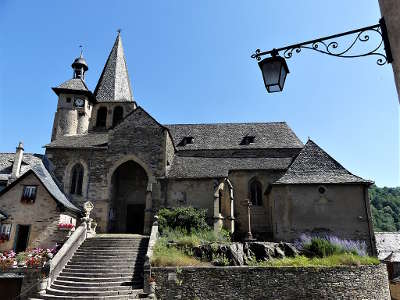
[75, 103]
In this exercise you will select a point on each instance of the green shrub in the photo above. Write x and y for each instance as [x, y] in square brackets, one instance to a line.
[319, 247]
[187, 218]
[220, 260]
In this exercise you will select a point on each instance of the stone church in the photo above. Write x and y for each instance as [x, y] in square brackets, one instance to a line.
[109, 150]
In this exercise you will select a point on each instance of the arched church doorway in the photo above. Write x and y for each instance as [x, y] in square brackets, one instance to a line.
[128, 191]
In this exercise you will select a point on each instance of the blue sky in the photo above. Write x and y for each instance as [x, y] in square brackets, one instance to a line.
[189, 62]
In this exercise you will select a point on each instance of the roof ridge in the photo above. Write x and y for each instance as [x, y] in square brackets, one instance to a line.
[228, 123]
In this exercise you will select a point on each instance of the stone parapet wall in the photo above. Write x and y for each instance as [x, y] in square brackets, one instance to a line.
[364, 282]
[30, 278]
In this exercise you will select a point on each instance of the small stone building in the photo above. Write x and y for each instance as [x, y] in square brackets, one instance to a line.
[107, 149]
[32, 205]
[388, 248]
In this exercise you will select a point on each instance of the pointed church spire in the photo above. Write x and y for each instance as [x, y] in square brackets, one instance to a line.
[114, 84]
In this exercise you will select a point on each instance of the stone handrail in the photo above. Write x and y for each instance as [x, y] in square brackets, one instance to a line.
[147, 268]
[66, 252]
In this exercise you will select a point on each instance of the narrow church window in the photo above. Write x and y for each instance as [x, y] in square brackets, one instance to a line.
[118, 115]
[29, 194]
[220, 201]
[101, 117]
[77, 179]
[256, 193]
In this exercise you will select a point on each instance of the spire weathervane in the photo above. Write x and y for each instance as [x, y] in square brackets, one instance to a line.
[81, 47]
[119, 31]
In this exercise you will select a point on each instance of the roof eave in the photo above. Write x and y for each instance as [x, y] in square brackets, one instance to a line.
[89, 94]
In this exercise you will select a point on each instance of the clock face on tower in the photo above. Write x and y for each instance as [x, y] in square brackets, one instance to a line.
[78, 102]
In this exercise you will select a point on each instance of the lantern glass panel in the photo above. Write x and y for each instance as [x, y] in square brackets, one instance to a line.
[274, 71]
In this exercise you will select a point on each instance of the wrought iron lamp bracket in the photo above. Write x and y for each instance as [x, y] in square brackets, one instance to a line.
[328, 45]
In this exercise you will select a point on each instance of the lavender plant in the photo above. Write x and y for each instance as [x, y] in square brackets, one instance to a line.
[325, 244]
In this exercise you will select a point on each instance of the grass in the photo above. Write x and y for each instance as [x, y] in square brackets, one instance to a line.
[178, 253]
[170, 256]
[184, 239]
[345, 259]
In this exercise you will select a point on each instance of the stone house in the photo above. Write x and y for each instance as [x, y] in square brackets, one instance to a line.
[107, 149]
[32, 205]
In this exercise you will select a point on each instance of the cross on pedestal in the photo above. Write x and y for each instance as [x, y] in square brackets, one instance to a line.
[247, 202]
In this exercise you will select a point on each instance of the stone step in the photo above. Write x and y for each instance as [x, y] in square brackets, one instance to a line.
[104, 265]
[96, 274]
[103, 278]
[104, 240]
[126, 240]
[110, 253]
[107, 262]
[119, 297]
[113, 247]
[100, 284]
[59, 292]
[112, 250]
[91, 288]
[104, 270]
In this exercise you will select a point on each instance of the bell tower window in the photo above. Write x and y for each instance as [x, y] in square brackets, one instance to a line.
[77, 180]
[101, 119]
[117, 115]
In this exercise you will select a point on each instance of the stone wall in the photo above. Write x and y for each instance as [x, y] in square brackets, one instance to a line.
[28, 279]
[260, 215]
[365, 282]
[341, 210]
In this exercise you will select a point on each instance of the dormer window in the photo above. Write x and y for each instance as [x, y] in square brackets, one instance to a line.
[186, 140]
[247, 140]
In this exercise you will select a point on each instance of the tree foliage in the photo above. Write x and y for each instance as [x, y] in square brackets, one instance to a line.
[385, 208]
[186, 218]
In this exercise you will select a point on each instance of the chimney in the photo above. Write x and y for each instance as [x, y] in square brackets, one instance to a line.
[16, 168]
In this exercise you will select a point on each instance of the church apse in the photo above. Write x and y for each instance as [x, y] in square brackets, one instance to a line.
[128, 192]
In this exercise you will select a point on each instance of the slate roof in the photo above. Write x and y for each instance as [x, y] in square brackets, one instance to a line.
[90, 140]
[314, 165]
[76, 84]
[230, 135]
[207, 167]
[388, 246]
[114, 83]
[35, 163]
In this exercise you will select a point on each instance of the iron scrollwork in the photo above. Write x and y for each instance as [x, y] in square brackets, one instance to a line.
[330, 46]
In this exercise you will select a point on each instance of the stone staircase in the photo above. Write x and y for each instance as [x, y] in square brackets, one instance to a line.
[108, 266]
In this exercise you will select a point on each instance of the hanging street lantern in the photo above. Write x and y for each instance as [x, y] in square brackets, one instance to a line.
[274, 68]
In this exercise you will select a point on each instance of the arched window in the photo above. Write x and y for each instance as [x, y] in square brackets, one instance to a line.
[77, 179]
[101, 117]
[117, 115]
[256, 192]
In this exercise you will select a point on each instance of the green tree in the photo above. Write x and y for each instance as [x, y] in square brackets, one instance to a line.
[385, 208]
